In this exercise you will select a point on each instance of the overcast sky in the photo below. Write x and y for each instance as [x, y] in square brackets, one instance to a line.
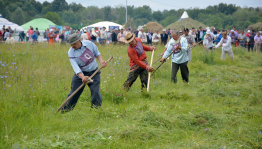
[164, 4]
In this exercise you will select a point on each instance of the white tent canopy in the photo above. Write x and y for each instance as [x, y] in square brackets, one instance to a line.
[13, 26]
[104, 24]
[184, 16]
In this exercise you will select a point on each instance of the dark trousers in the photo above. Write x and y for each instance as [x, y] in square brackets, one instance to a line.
[102, 41]
[149, 41]
[164, 42]
[132, 76]
[184, 71]
[250, 46]
[96, 98]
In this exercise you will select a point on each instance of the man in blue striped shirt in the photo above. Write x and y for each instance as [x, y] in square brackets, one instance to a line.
[82, 56]
[178, 45]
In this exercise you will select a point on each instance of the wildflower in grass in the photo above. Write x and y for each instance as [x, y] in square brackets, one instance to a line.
[2, 77]
[4, 88]
[4, 82]
[5, 76]
[6, 72]
[3, 64]
[13, 55]
[207, 129]
[252, 80]
[109, 74]
[9, 85]
[29, 84]
[32, 76]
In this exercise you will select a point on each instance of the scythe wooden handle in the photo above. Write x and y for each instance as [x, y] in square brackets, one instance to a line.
[162, 62]
[148, 81]
[64, 103]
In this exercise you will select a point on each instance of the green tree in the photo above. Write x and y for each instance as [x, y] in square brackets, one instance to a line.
[45, 10]
[75, 7]
[69, 17]
[107, 13]
[54, 17]
[59, 5]
[18, 16]
[143, 12]
[157, 15]
[38, 7]
[46, 4]
[3, 10]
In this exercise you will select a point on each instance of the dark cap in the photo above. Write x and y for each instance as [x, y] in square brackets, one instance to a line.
[72, 39]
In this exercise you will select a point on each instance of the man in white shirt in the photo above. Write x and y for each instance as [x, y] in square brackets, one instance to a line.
[208, 41]
[225, 43]
[142, 35]
[84, 36]
[121, 37]
[193, 32]
[103, 36]
[190, 41]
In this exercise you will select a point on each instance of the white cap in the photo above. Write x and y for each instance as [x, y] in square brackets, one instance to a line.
[207, 28]
[164, 30]
[115, 29]
[260, 32]
[248, 31]
[51, 30]
[232, 30]
[208, 32]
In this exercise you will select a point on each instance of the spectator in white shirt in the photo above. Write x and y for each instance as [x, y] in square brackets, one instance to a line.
[156, 37]
[121, 37]
[208, 40]
[103, 36]
[84, 36]
[10, 39]
[225, 43]
[142, 35]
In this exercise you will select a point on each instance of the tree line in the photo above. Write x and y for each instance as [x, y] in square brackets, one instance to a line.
[221, 16]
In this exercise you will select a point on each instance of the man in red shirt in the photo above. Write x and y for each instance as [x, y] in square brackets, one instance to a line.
[138, 63]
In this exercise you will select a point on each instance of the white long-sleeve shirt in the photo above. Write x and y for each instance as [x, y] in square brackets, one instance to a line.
[84, 36]
[103, 34]
[10, 40]
[156, 37]
[208, 42]
[226, 43]
[142, 36]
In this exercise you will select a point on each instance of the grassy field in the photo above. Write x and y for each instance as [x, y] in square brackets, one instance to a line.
[220, 108]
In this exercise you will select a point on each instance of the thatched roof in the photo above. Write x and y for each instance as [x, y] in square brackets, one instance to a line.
[154, 26]
[189, 24]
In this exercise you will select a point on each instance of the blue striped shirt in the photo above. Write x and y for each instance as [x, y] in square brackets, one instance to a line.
[180, 57]
[76, 62]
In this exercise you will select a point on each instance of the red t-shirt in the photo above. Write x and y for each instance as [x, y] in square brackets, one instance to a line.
[134, 58]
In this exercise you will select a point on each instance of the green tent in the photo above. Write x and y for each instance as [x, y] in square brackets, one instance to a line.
[41, 23]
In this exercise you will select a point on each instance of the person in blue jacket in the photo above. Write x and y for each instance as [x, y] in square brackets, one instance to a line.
[218, 36]
[34, 37]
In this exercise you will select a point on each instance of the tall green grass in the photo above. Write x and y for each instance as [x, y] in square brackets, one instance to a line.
[219, 108]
